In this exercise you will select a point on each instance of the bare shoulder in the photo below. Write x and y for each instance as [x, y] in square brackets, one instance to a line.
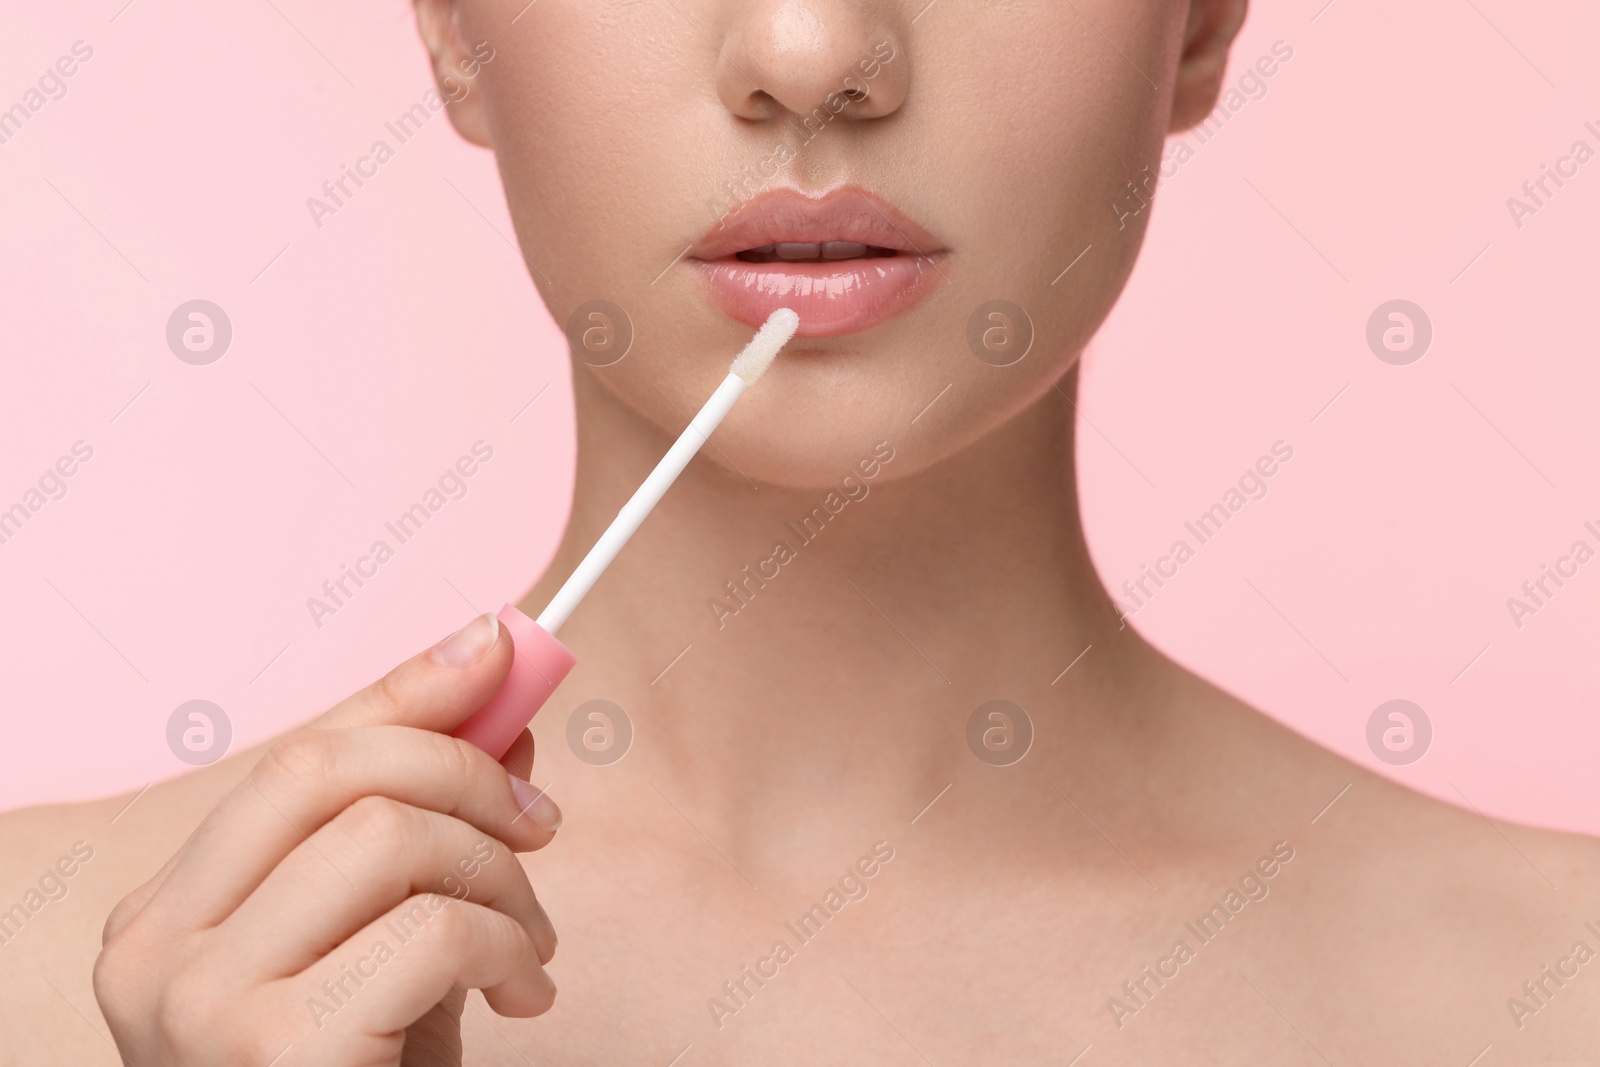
[57, 883]
[63, 868]
[1424, 925]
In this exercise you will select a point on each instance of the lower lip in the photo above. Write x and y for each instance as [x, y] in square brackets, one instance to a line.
[831, 298]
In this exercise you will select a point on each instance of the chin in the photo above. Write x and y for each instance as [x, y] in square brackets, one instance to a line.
[884, 423]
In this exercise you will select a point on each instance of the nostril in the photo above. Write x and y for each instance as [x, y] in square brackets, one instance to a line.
[855, 94]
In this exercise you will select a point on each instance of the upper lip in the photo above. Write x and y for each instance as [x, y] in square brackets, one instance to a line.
[787, 215]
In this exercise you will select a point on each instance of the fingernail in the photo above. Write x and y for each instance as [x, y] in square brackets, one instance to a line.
[536, 805]
[467, 645]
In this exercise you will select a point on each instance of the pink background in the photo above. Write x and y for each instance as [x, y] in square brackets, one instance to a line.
[370, 354]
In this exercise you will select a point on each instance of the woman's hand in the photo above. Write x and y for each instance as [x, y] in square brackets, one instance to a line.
[335, 907]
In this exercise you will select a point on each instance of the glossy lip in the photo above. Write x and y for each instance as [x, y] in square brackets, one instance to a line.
[832, 297]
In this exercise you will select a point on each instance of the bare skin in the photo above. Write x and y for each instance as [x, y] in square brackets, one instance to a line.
[1005, 922]
[776, 749]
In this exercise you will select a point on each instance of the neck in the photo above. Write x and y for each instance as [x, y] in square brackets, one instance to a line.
[846, 664]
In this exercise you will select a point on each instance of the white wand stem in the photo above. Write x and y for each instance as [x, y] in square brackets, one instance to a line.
[747, 369]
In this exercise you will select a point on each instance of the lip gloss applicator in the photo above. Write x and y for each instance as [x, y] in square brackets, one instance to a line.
[541, 661]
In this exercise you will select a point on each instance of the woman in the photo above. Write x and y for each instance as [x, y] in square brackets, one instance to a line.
[906, 788]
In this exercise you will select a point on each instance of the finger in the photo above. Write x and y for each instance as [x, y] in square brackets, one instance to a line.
[433, 690]
[375, 854]
[130, 905]
[435, 1039]
[395, 969]
[312, 775]
[437, 689]
[518, 759]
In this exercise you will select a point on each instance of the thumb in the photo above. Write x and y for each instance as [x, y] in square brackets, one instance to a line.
[433, 690]
[518, 759]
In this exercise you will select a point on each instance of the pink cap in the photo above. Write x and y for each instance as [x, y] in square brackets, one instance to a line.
[540, 664]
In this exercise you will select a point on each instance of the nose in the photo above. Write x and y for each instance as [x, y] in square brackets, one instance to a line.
[824, 58]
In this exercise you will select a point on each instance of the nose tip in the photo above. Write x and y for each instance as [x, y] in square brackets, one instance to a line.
[809, 56]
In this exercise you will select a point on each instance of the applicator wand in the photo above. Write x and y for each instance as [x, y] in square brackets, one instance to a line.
[541, 661]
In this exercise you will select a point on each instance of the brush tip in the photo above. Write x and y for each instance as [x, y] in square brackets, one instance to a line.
[759, 354]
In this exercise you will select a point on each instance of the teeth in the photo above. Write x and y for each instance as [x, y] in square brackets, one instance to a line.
[812, 252]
